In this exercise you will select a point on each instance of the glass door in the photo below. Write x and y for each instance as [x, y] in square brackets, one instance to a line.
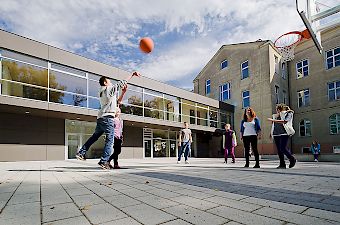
[73, 144]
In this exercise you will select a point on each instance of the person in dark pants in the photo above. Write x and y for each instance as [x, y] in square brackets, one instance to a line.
[282, 129]
[229, 143]
[315, 149]
[108, 106]
[185, 140]
[118, 140]
[250, 132]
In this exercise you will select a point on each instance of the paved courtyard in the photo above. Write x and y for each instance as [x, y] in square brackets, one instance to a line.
[159, 191]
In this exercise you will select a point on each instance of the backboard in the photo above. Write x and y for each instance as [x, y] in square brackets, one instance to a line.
[318, 15]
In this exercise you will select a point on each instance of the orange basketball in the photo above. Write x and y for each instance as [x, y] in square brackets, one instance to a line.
[146, 45]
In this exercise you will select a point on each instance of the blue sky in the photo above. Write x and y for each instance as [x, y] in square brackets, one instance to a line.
[186, 33]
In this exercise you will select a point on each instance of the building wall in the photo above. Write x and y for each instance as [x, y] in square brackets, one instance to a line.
[27, 137]
[261, 82]
[320, 108]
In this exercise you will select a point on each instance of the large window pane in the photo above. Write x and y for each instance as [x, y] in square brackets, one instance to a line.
[133, 98]
[134, 110]
[153, 102]
[188, 108]
[24, 73]
[23, 58]
[68, 99]
[160, 134]
[68, 69]
[94, 88]
[172, 117]
[65, 82]
[94, 103]
[153, 113]
[19, 90]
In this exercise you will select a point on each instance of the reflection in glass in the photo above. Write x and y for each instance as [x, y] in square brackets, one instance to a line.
[68, 69]
[153, 113]
[24, 73]
[172, 117]
[188, 110]
[24, 58]
[19, 90]
[93, 88]
[160, 148]
[160, 134]
[68, 99]
[153, 102]
[173, 148]
[94, 103]
[133, 98]
[65, 82]
[134, 110]
[147, 148]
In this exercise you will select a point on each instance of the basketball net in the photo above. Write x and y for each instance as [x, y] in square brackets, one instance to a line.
[286, 44]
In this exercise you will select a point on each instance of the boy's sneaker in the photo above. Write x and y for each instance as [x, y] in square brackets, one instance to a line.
[110, 166]
[104, 165]
[186, 162]
[80, 157]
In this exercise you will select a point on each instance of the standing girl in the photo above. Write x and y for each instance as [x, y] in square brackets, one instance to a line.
[282, 129]
[315, 149]
[250, 131]
[229, 143]
[118, 140]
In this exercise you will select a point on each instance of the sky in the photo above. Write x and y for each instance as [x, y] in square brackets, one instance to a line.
[186, 33]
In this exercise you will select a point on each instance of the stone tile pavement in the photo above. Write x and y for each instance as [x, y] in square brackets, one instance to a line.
[159, 191]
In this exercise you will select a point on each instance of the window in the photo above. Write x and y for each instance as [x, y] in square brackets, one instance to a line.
[276, 59]
[277, 94]
[245, 99]
[245, 69]
[305, 150]
[283, 70]
[207, 87]
[224, 64]
[333, 58]
[334, 91]
[302, 69]
[225, 92]
[284, 97]
[305, 128]
[303, 97]
[334, 123]
[336, 149]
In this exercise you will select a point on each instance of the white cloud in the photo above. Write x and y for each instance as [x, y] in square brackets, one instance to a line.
[93, 27]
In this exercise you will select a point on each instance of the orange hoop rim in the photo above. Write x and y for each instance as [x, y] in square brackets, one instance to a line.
[287, 34]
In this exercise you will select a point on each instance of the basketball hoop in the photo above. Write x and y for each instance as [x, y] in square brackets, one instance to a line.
[286, 44]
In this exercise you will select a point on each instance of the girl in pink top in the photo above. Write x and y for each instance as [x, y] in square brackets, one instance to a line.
[118, 139]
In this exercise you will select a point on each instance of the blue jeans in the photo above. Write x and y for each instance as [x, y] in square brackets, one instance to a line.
[282, 148]
[185, 146]
[104, 125]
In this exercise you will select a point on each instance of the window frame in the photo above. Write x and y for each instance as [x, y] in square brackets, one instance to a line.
[228, 90]
[277, 97]
[242, 69]
[302, 67]
[335, 89]
[221, 67]
[337, 118]
[333, 56]
[304, 98]
[305, 127]
[243, 98]
[207, 86]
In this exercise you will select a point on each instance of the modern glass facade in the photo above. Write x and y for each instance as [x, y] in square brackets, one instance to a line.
[28, 77]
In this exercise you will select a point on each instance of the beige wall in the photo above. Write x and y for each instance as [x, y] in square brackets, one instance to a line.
[260, 83]
[320, 108]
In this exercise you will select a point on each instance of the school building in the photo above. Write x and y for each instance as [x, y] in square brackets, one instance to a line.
[49, 103]
[253, 74]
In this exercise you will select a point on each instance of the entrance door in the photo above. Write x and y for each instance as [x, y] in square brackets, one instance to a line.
[73, 144]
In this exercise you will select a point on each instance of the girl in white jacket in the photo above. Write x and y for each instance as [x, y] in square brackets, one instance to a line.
[282, 129]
